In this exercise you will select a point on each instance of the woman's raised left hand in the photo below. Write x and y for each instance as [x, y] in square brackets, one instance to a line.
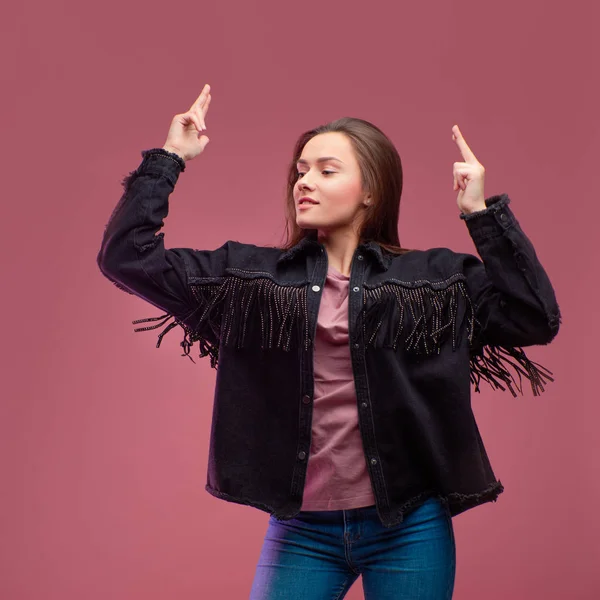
[468, 177]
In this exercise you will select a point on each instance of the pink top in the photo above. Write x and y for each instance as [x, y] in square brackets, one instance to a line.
[337, 476]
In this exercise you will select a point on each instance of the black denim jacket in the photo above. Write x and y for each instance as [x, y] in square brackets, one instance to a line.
[423, 327]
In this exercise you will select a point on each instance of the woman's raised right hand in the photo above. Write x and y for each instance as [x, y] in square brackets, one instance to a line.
[184, 136]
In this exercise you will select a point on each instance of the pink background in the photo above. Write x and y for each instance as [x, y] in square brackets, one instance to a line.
[104, 438]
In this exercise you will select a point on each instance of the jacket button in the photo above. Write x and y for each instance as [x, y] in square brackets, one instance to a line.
[364, 404]
[355, 288]
[315, 288]
[503, 216]
[373, 461]
[360, 257]
[302, 455]
[306, 399]
[357, 345]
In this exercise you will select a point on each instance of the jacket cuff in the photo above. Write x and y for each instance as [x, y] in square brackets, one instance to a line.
[493, 220]
[160, 160]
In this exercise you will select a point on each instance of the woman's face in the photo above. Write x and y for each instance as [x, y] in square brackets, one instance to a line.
[334, 183]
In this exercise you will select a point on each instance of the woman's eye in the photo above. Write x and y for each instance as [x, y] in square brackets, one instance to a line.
[300, 174]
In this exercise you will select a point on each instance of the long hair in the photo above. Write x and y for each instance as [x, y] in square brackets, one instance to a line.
[381, 175]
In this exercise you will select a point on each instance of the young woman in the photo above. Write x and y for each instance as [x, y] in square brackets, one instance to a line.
[345, 361]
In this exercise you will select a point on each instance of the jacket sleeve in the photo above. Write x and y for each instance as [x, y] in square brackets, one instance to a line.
[514, 302]
[133, 254]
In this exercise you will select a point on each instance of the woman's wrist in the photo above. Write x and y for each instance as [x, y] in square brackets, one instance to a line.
[173, 151]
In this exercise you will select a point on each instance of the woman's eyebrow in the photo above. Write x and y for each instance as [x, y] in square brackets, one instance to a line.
[301, 161]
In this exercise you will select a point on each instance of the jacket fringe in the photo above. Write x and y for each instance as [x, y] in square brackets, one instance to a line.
[428, 316]
[491, 368]
[239, 311]
[257, 308]
[206, 347]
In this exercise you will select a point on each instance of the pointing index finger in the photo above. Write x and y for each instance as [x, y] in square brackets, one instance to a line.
[467, 153]
[203, 94]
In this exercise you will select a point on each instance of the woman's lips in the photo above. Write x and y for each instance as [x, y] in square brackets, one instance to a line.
[305, 205]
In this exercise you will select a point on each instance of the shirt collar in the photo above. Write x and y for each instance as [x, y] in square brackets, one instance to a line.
[309, 243]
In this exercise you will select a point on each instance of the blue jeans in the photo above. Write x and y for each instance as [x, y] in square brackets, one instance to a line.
[319, 555]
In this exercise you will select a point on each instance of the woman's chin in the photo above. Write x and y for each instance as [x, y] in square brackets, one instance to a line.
[304, 223]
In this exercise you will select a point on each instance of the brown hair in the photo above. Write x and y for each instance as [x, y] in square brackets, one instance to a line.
[381, 175]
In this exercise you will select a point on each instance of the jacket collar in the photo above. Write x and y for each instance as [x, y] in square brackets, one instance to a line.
[310, 243]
